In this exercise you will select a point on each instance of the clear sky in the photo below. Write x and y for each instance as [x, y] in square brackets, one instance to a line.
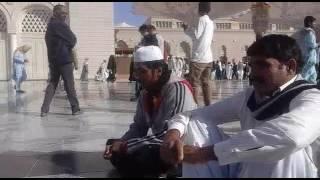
[123, 13]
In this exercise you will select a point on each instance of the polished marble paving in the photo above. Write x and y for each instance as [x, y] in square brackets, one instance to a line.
[62, 145]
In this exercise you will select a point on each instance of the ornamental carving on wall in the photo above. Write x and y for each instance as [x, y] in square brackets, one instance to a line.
[35, 21]
[3, 22]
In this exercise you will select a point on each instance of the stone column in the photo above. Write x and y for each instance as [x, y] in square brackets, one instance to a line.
[12, 48]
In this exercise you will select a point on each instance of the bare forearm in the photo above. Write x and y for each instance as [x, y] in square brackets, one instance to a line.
[208, 153]
[197, 155]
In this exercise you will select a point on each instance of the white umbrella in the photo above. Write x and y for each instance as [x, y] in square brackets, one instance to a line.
[188, 11]
[288, 13]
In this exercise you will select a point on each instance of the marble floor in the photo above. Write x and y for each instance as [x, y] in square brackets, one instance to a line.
[62, 145]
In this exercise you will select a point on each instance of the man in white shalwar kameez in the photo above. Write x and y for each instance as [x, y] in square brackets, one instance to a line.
[278, 117]
[229, 71]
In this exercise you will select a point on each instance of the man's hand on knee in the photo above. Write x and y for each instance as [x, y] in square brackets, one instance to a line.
[118, 146]
[198, 155]
[171, 150]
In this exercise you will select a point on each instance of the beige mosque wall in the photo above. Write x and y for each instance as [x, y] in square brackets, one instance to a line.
[234, 40]
[25, 23]
[92, 22]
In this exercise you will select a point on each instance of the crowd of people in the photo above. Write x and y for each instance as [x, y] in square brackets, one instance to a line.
[277, 113]
[229, 71]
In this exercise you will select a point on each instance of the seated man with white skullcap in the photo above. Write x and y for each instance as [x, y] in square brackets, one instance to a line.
[163, 96]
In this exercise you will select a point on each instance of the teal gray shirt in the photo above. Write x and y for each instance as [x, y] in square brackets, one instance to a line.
[176, 97]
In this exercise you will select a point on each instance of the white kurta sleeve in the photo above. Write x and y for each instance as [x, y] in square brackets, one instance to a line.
[221, 112]
[199, 31]
[196, 32]
[277, 138]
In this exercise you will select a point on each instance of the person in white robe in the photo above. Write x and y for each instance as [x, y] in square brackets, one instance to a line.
[85, 70]
[229, 71]
[278, 118]
[178, 66]
[102, 73]
[19, 71]
[240, 70]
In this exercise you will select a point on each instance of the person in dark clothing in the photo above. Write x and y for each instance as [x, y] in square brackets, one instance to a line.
[112, 67]
[218, 71]
[60, 40]
[85, 70]
[131, 74]
[150, 39]
[234, 70]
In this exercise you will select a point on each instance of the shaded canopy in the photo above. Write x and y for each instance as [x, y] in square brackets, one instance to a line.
[289, 13]
[188, 11]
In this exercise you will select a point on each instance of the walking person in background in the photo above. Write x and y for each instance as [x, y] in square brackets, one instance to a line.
[234, 70]
[112, 68]
[85, 70]
[218, 70]
[102, 74]
[19, 71]
[224, 71]
[309, 47]
[240, 70]
[229, 70]
[60, 41]
[201, 61]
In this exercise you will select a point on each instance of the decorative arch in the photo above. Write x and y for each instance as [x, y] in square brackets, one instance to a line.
[122, 44]
[5, 19]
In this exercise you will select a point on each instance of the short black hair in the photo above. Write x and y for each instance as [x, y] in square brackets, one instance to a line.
[150, 40]
[57, 8]
[143, 27]
[277, 46]
[155, 64]
[204, 7]
[308, 20]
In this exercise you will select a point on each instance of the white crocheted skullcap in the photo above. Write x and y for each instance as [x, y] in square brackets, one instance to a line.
[148, 53]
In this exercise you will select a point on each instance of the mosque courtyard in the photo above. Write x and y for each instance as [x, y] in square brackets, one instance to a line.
[62, 145]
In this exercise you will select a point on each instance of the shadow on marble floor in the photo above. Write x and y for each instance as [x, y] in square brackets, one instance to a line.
[55, 164]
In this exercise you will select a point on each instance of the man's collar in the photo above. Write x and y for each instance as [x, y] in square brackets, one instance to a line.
[309, 29]
[288, 83]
